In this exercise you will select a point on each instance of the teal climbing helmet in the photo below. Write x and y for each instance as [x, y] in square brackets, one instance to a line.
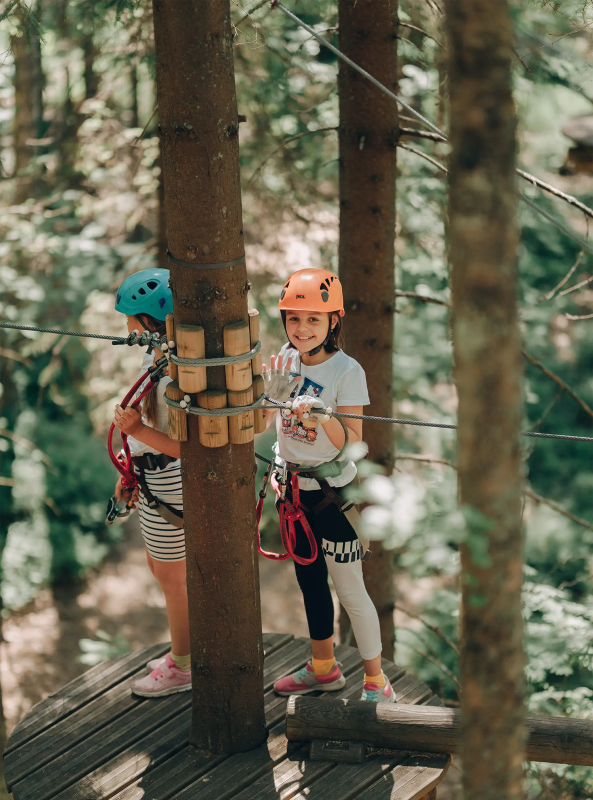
[146, 292]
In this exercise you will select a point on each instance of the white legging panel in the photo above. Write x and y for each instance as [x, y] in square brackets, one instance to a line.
[346, 574]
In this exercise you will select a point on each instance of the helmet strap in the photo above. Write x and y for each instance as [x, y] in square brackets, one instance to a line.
[319, 347]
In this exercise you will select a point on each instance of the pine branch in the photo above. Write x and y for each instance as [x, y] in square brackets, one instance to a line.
[422, 31]
[419, 134]
[437, 631]
[423, 298]
[437, 663]
[577, 286]
[281, 146]
[576, 317]
[567, 277]
[433, 161]
[428, 459]
[559, 382]
[568, 198]
[558, 509]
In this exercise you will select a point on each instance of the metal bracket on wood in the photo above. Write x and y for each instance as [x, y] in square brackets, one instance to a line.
[337, 752]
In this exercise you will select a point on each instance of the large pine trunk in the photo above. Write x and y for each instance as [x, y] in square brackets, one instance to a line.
[483, 241]
[28, 101]
[200, 160]
[368, 138]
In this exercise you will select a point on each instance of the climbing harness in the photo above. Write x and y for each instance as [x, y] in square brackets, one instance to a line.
[291, 511]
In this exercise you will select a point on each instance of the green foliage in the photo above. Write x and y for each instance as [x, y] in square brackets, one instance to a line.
[107, 647]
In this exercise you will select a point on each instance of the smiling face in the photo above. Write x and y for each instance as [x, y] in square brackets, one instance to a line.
[307, 329]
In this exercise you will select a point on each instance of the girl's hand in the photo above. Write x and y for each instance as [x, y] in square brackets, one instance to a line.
[304, 403]
[126, 494]
[278, 382]
[128, 420]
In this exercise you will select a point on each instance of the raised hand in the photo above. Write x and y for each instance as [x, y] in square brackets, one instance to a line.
[278, 382]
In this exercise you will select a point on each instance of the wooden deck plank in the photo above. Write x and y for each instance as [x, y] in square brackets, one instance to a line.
[98, 680]
[115, 746]
[348, 781]
[161, 782]
[236, 774]
[90, 718]
[78, 692]
[411, 780]
[98, 767]
[93, 716]
[100, 747]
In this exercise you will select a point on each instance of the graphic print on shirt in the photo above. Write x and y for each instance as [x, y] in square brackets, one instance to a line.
[304, 430]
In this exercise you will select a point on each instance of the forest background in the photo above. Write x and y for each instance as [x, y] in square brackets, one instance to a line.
[81, 208]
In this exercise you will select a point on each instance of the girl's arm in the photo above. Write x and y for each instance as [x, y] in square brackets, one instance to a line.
[129, 420]
[335, 432]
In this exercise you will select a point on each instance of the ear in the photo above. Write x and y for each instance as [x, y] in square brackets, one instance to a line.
[335, 319]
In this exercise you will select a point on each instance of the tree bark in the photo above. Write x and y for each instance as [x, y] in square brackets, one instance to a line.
[91, 79]
[28, 101]
[367, 138]
[483, 240]
[198, 126]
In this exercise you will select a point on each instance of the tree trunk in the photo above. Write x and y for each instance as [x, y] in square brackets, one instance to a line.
[483, 241]
[134, 122]
[368, 137]
[28, 101]
[91, 79]
[162, 260]
[200, 159]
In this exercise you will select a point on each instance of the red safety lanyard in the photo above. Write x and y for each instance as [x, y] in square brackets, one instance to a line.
[123, 461]
[290, 514]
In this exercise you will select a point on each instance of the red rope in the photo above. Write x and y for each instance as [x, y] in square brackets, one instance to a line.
[290, 514]
[123, 461]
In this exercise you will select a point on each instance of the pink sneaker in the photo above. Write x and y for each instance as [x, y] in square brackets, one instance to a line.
[375, 694]
[165, 679]
[155, 663]
[305, 680]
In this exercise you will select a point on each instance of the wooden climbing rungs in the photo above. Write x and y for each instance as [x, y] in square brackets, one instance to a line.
[94, 740]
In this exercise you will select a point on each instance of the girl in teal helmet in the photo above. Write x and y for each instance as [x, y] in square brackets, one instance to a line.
[146, 299]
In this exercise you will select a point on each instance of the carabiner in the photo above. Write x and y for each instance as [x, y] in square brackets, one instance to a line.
[114, 511]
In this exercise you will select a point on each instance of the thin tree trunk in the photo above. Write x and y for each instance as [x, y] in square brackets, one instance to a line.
[28, 100]
[134, 122]
[483, 247]
[91, 79]
[200, 160]
[368, 136]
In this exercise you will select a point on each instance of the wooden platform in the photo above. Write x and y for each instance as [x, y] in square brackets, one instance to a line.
[94, 739]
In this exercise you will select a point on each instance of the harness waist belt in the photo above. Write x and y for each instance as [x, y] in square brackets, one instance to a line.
[152, 461]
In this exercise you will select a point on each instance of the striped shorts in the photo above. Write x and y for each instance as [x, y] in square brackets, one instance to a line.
[163, 541]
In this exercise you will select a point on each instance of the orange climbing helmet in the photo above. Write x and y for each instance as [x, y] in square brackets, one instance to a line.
[312, 290]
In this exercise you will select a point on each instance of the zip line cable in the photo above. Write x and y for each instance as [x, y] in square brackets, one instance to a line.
[154, 340]
[130, 339]
[414, 113]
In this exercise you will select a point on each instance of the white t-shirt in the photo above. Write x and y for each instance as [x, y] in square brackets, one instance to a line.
[139, 448]
[339, 381]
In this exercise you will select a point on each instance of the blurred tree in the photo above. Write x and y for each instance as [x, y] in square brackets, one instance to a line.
[483, 239]
[28, 100]
[368, 136]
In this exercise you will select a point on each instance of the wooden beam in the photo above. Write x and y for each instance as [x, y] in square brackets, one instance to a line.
[428, 729]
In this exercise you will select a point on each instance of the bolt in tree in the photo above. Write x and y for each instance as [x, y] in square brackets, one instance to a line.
[198, 125]
[483, 246]
[368, 138]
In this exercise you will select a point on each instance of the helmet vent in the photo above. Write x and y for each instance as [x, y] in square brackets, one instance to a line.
[141, 291]
[151, 285]
[134, 297]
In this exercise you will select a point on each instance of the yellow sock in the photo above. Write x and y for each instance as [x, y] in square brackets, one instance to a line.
[378, 679]
[181, 662]
[322, 666]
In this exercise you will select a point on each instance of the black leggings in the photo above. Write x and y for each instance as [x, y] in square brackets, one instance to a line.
[339, 553]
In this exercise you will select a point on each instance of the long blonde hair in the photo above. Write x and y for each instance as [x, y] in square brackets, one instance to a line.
[149, 404]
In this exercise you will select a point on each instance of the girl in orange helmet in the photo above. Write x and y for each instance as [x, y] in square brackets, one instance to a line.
[312, 371]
